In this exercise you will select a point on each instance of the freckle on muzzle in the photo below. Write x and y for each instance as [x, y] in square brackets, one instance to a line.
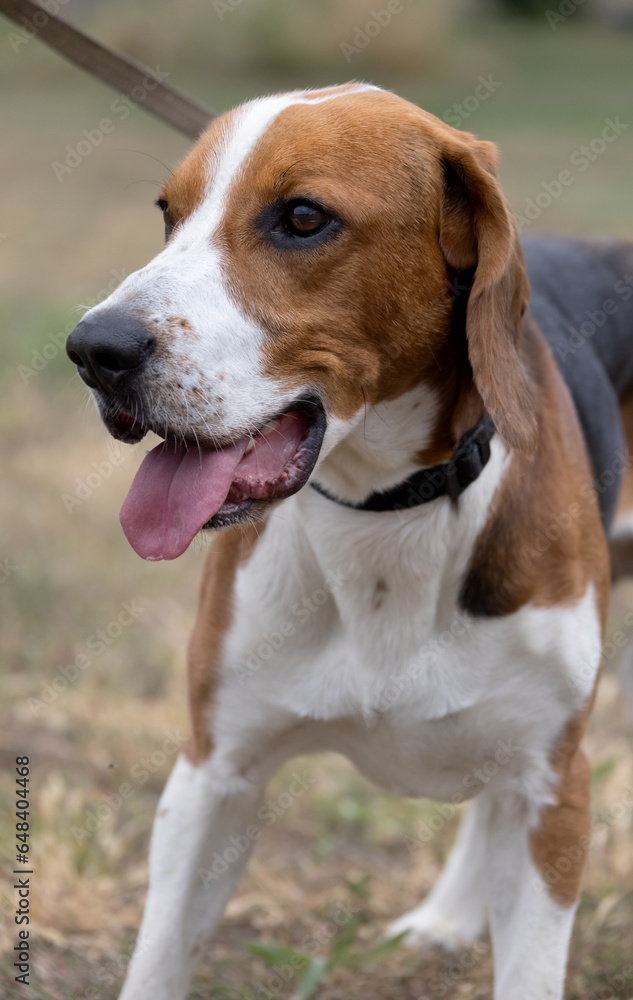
[185, 483]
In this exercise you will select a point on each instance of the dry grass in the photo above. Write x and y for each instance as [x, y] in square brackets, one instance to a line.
[342, 844]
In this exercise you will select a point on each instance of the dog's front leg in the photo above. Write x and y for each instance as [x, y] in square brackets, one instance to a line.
[534, 882]
[205, 825]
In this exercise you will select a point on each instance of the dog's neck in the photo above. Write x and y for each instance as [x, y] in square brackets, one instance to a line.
[383, 446]
[379, 453]
[380, 448]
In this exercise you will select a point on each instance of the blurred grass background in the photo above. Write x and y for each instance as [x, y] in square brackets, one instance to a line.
[65, 574]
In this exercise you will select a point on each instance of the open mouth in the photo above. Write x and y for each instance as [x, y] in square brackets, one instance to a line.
[181, 488]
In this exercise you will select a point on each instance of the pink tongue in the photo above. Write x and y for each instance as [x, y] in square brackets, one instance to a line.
[175, 491]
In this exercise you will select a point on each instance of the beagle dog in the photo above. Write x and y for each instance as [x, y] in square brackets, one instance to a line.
[411, 473]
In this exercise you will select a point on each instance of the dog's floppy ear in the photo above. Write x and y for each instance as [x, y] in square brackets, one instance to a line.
[477, 231]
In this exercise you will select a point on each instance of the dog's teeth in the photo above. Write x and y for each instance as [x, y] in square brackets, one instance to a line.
[249, 446]
[270, 426]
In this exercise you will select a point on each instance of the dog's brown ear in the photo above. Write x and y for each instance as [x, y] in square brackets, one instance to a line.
[477, 231]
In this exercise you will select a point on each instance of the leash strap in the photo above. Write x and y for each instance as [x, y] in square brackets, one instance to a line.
[126, 75]
[450, 479]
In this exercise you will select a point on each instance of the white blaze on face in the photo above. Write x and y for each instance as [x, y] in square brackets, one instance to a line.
[206, 380]
[209, 380]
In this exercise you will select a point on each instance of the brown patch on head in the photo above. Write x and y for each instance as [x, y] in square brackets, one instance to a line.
[559, 843]
[231, 548]
[362, 317]
[371, 312]
[543, 541]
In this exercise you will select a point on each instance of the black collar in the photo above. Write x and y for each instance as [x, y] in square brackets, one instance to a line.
[450, 479]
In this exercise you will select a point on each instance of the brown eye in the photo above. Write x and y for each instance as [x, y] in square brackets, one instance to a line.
[303, 219]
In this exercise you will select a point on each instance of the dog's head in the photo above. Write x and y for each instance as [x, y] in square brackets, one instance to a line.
[325, 250]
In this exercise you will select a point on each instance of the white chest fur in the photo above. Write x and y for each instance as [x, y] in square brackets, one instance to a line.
[348, 635]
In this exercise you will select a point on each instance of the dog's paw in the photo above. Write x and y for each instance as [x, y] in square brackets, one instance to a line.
[426, 927]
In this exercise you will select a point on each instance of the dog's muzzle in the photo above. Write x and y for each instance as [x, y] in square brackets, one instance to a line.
[110, 348]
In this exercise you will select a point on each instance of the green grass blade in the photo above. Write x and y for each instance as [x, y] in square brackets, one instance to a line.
[340, 948]
[311, 979]
[380, 951]
[276, 954]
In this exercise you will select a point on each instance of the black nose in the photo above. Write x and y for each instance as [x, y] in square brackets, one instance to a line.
[108, 347]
